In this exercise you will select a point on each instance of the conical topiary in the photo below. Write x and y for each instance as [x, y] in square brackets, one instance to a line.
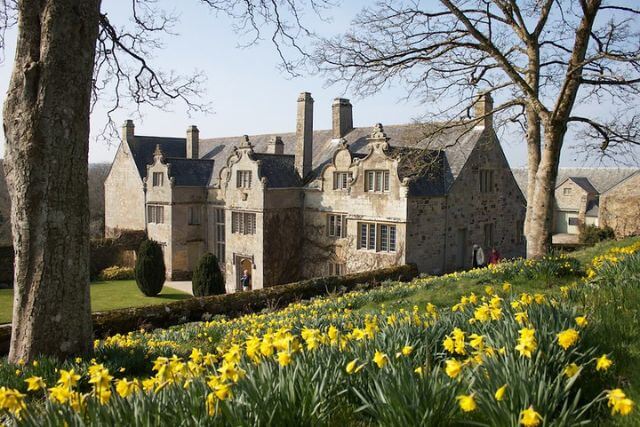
[150, 269]
[207, 277]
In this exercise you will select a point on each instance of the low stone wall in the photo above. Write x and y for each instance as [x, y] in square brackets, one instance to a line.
[231, 305]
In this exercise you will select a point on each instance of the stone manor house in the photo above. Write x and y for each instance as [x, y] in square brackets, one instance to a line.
[319, 202]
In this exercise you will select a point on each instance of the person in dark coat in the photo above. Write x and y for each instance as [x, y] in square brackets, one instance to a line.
[245, 281]
[495, 257]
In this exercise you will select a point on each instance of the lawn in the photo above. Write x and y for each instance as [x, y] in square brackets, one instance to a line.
[106, 295]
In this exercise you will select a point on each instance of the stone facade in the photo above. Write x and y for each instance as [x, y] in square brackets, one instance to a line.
[315, 203]
[620, 207]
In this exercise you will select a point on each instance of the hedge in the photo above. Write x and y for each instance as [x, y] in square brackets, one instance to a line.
[233, 305]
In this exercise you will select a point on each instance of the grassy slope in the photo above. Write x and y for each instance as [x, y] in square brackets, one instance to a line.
[105, 296]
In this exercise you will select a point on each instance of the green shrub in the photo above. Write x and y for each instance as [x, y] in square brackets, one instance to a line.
[117, 273]
[150, 270]
[591, 234]
[207, 277]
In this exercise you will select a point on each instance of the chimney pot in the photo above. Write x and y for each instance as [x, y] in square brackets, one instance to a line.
[342, 115]
[193, 141]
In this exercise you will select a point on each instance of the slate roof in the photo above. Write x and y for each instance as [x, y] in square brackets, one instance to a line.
[144, 146]
[583, 183]
[593, 207]
[190, 172]
[457, 144]
[278, 169]
[602, 179]
[444, 150]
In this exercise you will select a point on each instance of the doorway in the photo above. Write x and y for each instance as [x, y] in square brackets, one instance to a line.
[243, 264]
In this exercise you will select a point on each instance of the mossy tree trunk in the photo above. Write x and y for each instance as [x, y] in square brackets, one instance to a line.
[46, 124]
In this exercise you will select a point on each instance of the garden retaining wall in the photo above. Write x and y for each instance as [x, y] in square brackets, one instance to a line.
[231, 305]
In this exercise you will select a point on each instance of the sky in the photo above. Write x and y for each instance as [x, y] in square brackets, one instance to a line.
[247, 91]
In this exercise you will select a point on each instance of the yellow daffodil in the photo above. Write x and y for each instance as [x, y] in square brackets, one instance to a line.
[527, 343]
[453, 368]
[603, 363]
[35, 383]
[581, 321]
[12, 400]
[125, 388]
[571, 370]
[467, 403]
[284, 358]
[380, 359]
[530, 418]
[568, 338]
[499, 395]
[619, 402]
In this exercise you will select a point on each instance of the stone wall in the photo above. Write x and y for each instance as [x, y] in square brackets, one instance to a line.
[282, 245]
[620, 207]
[469, 209]
[426, 222]
[357, 205]
[123, 195]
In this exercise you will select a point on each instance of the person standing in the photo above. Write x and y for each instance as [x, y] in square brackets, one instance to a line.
[478, 256]
[245, 281]
[494, 257]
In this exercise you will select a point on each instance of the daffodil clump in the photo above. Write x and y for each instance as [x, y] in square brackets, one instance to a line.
[325, 362]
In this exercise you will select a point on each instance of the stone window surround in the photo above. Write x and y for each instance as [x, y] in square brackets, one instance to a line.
[155, 214]
[336, 225]
[376, 181]
[486, 179]
[377, 237]
[342, 180]
[158, 179]
[243, 222]
[243, 179]
[194, 214]
[336, 268]
[220, 244]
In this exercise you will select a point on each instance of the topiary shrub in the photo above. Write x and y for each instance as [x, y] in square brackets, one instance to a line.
[207, 278]
[150, 270]
[590, 235]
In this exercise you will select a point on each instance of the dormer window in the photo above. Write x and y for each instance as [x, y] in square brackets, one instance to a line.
[158, 179]
[243, 179]
[376, 181]
[341, 180]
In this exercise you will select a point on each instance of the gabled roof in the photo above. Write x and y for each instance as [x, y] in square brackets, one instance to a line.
[190, 172]
[278, 169]
[602, 179]
[457, 144]
[440, 152]
[583, 183]
[143, 147]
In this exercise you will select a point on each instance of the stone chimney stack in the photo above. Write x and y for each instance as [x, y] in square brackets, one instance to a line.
[128, 129]
[193, 139]
[275, 146]
[342, 114]
[304, 134]
[484, 108]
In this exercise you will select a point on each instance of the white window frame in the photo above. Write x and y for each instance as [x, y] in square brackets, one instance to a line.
[377, 181]
[155, 214]
[243, 222]
[378, 237]
[336, 225]
[342, 180]
[243, 179]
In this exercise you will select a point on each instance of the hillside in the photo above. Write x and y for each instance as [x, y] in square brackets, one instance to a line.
[97, 174]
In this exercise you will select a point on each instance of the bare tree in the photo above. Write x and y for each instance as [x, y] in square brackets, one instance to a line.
[68, 54]
[543, 60]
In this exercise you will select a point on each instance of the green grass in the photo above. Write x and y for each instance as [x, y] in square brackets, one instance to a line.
[106, 295]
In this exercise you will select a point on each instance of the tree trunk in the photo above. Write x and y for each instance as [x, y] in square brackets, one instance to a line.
[533, 160]
[541, 204]
[46, 124]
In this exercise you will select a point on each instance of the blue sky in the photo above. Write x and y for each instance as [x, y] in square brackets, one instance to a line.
[247, 91]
